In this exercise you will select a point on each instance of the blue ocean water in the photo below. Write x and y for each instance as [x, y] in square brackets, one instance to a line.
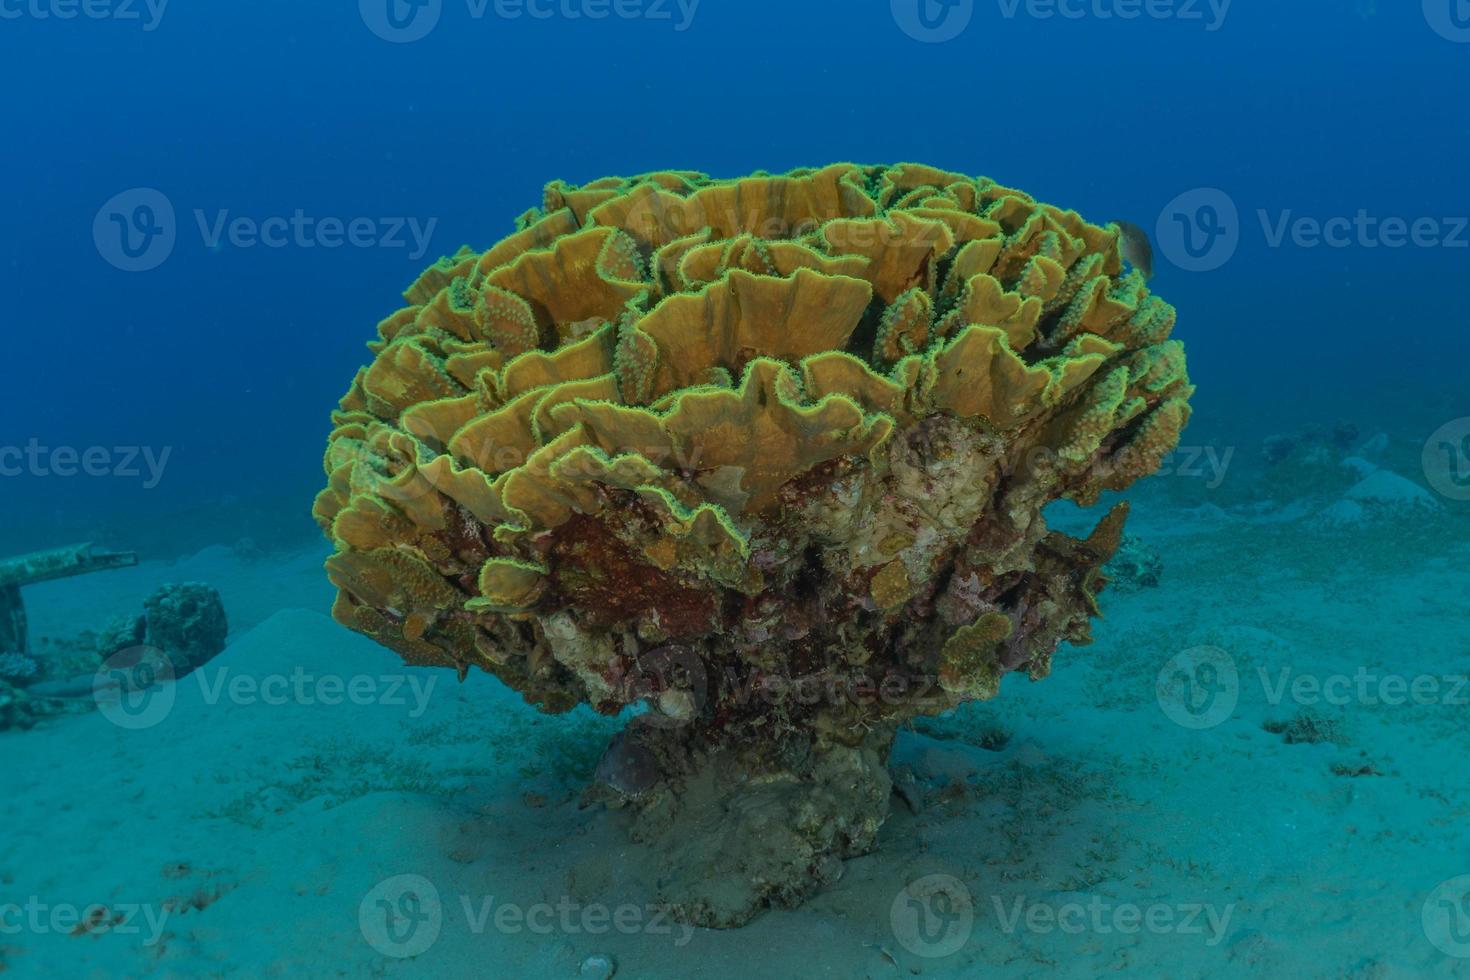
[208, 208]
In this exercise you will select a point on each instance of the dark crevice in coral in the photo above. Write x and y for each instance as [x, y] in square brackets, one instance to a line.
[860, 343]
[942, 577]
[1047, 343]
[808, 578]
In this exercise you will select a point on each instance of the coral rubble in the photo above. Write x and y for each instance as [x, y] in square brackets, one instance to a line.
[1136, 565]
[767, 455]
[17, 668]
[16, 709]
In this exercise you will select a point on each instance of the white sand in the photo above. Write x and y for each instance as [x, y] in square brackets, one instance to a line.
[252, 833]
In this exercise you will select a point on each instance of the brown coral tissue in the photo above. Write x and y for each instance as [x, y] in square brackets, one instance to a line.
[766, 457]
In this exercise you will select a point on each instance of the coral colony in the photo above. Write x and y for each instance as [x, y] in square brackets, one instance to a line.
[767, 456]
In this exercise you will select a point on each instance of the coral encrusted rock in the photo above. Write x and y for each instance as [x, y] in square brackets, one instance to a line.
[765, 455]
[1136, 565]
[188, 623]
[16, 709]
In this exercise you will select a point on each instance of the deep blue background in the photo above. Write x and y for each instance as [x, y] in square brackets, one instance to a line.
[234, 357]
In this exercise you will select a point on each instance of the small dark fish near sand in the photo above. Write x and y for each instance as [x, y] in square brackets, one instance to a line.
[1136, 247]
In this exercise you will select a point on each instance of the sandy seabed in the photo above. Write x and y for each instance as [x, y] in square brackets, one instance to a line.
[1302, 809]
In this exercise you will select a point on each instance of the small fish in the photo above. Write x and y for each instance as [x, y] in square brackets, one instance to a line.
[1136, 247]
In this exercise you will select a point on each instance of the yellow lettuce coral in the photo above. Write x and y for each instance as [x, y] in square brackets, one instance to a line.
[795, 426]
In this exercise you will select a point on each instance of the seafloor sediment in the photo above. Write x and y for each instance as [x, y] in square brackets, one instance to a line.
[259, 829]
